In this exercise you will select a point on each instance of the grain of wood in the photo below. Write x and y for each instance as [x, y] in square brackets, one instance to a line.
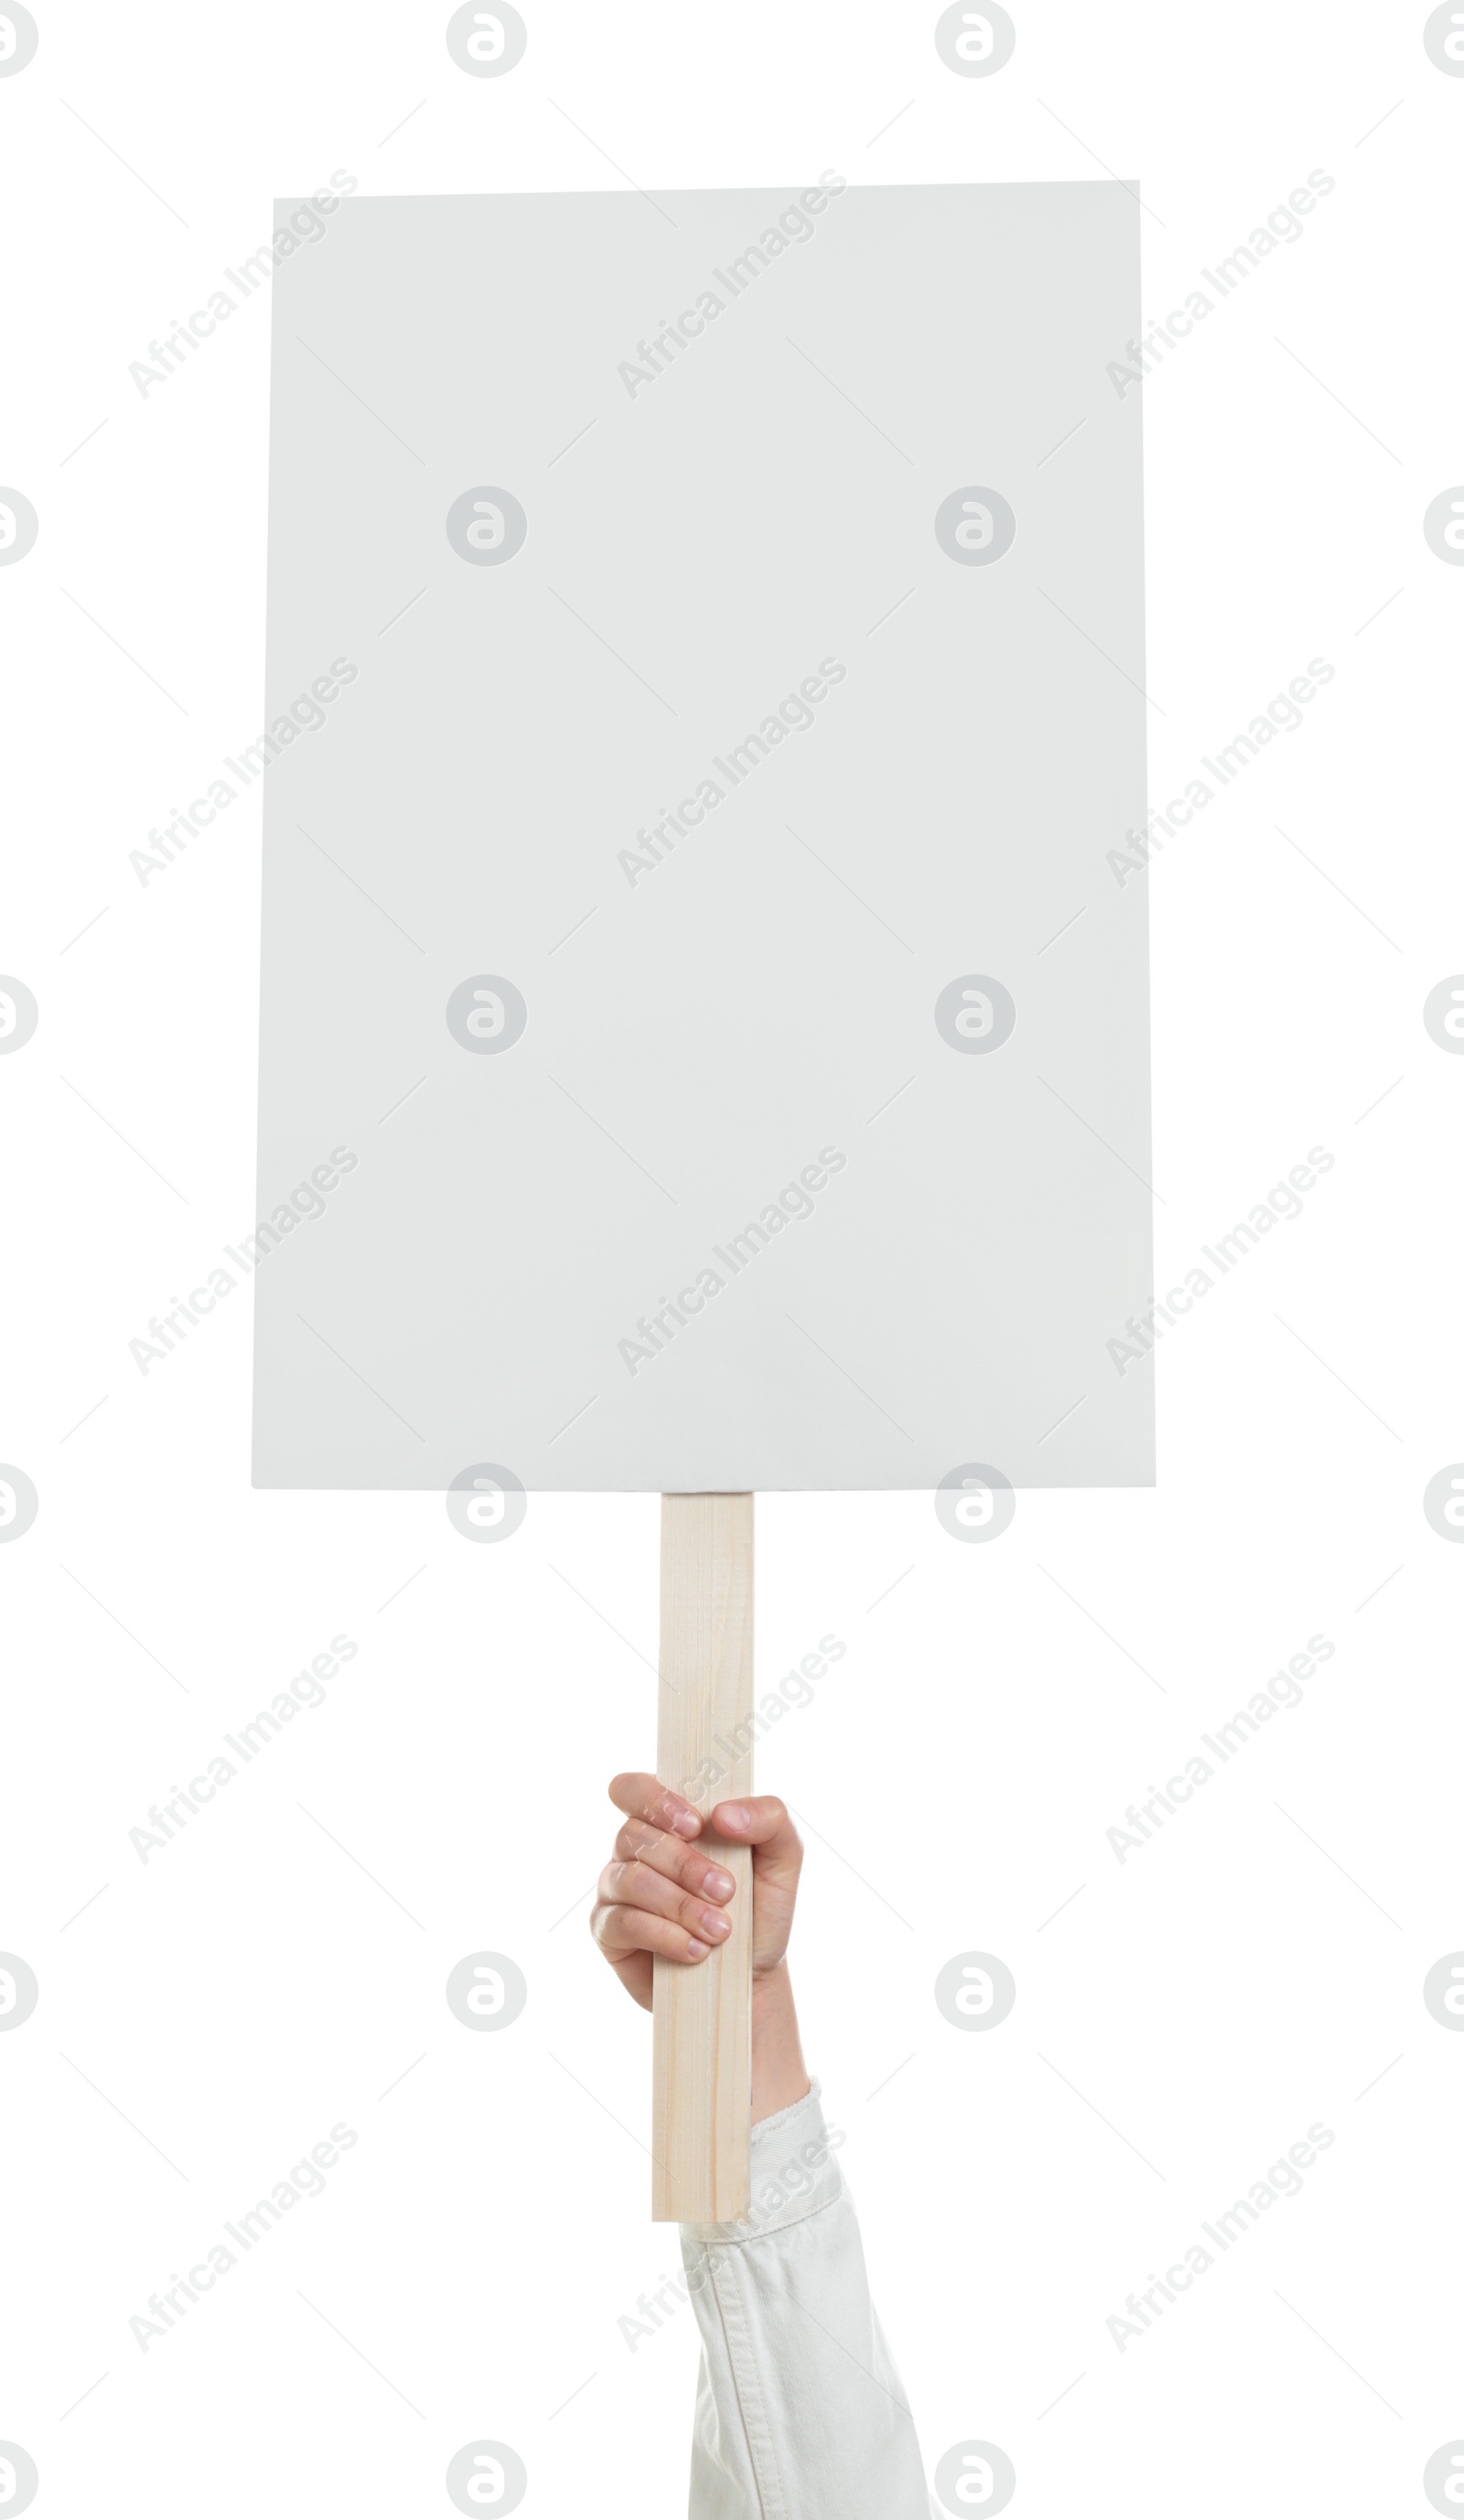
[703, 2091]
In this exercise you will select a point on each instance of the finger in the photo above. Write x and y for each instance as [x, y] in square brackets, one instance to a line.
[696, 1872]
[637, 1886]
[619, 1930]
[637, 1975]
[764, 1821]
[644, 1797]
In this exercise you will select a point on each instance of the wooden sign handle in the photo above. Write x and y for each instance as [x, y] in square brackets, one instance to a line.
[701, 2113]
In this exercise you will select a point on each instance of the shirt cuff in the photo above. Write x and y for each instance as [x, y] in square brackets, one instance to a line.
[794, 2174]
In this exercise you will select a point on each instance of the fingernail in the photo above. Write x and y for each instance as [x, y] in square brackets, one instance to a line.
[716, 1924]
[686, 1824]
[737, 1815]
[718, 1884]
[695, 1951]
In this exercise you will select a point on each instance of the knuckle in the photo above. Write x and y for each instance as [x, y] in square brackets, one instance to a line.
[636, 1838]
[621, 1932]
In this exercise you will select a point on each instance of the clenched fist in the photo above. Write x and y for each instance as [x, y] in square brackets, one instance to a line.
[660, 1894]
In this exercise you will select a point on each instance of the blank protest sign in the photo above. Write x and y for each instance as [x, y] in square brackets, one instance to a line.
[689, 904]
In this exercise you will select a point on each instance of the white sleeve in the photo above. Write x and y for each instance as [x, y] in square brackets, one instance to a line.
[800, 2410]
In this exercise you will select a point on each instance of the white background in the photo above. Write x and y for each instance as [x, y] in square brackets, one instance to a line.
[1181, 2019]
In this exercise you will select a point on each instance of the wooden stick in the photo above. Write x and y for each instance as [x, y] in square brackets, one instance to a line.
[702, 2091]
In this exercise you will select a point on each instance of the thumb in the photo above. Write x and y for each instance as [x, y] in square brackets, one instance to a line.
[764, 1823]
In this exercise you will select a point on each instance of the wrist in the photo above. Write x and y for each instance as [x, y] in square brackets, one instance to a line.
[779, 2074]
